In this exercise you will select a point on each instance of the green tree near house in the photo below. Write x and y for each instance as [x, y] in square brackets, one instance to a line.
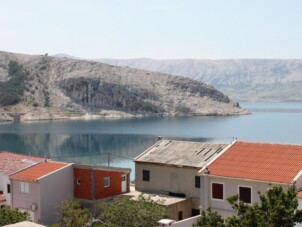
[72, 214]
[276, 208]
[125, 211]
[122, 211]
[11, 216]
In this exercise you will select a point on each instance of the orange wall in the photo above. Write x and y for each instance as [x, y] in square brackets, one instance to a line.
[115, 184]
[83, 190]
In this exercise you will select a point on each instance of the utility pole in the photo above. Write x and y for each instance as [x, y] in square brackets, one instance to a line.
[108, 159]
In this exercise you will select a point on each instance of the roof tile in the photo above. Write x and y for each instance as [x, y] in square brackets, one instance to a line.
[259, 161]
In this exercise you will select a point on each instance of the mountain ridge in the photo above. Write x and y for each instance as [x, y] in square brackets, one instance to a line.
[241, 79]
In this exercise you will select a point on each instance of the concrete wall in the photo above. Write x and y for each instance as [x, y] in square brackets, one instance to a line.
[231, 187]
[184, 206]
[24, 200]
[165, 179]
[187, 222]
[55, 188]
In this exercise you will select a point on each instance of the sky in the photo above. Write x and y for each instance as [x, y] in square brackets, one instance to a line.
[159, 29]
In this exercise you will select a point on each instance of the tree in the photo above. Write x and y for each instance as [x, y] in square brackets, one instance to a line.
[72, 214]
[125, 211]
[276, 208]
[210, 218]
[11, 216]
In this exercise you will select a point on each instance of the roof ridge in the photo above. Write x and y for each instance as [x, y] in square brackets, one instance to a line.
[11, 152]
[269, 143]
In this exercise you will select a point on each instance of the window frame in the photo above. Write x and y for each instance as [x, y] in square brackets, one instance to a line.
[199, 182]
[8, 188]
[78, 181]
[24, 187]
[245, 186]
[146, 171]
[107, 179]
[223, 191]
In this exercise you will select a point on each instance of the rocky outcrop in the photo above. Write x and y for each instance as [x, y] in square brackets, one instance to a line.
[59, 88]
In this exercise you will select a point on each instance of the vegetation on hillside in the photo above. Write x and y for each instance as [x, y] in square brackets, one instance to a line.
[11, 216]
[276, 208]
[12, 90]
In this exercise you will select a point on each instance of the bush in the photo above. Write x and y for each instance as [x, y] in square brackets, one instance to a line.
[12, 90]
[8, 216]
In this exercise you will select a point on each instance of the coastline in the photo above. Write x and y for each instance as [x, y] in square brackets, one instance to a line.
[35, 116]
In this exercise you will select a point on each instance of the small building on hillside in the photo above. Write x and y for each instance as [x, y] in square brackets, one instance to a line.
[11, 163]
[40, 189]
[93, 183]
[170, 167]
[246, 168]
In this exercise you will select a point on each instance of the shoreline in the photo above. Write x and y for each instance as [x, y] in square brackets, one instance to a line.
[48, 116]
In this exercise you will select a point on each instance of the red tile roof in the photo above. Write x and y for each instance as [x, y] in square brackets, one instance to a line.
[259, 161]
[13, 162]
[40, 170]
[299, 195]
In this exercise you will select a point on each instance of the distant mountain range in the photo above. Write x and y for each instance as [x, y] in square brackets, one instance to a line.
[45, 87]
[240, 79]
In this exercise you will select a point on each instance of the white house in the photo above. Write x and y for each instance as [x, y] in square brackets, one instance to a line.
[246, 168]
[11, 163]
[41, 188]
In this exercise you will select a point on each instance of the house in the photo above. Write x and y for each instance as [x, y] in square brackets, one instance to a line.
[246, 168]
[39, 189]
[11, 163]
[93, 183]
[170, 167]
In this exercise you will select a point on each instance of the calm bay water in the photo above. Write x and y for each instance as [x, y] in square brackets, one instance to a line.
[91, 141]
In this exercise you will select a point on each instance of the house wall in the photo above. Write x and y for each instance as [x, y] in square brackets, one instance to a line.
[84, 189]
[231, 187]
[115, 183]
[165, 179]
[55, 188]
[24, 200]
[6, 181]
[1, 181]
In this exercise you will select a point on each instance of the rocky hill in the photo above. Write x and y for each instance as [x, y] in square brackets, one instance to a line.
[44, 87]
[240, 79]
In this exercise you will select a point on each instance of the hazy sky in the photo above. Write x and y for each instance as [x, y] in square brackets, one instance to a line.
[153, 28]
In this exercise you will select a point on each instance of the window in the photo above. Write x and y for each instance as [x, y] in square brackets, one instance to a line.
[195, 212]
[78, 181]
[146, 175]
[8, 188]
[24, 187]
[106, 182]
[123, 178]
[197, 181]
[245, 194]
[217, 191]
[180, 215]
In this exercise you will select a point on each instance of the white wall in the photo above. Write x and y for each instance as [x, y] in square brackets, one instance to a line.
[231, 187]
[55, 188]
[186, 222]
[164, 179]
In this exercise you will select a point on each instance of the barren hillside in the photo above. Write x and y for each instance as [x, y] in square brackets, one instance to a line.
[44, 87]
